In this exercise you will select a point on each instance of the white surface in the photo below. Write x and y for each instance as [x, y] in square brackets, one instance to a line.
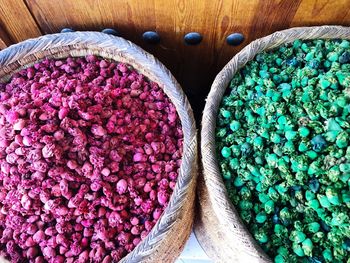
[193, 252]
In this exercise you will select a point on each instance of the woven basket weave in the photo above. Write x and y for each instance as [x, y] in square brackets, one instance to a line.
[166, 240]
[218, 227]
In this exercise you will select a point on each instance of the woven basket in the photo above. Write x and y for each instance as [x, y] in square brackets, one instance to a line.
[166, 240]
[218, 227]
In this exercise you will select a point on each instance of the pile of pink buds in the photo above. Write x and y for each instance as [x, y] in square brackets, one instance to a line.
[90, 152]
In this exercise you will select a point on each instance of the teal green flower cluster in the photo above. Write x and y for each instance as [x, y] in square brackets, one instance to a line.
[283, 146]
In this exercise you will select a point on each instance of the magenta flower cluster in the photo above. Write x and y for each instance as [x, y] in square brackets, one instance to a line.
[90, 152]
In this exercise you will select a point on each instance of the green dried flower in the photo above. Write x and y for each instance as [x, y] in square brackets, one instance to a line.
[245, 193]
[245, 205]
[269, 206]
[261, 236]
[339, 219]
[307, 246]
[225, 113]
[318, 237]
[235, 150]
[283, 148]
[340, 254]
[303, 131]
[235, 126]
[342, 140]
[313, 227]
[324, 201]
[261, 217]
[333, 195]
[327, 255]
[297, 236]
[226, 152]
[298, 250]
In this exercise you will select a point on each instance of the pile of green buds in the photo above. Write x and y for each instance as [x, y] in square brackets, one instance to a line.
[282, 139]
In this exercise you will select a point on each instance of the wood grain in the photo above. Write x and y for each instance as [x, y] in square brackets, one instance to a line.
[4, 39]
[278, 15]
[17, 21]
[316, 12]
[194, 66]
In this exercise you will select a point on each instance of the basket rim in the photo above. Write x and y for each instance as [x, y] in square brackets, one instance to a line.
[222, 208]
[16, 57]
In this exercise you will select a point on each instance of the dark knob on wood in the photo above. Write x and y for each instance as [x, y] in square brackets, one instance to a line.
[111, 31]
[67, 30]
[193, 38]
[151, 37]
[235, 39]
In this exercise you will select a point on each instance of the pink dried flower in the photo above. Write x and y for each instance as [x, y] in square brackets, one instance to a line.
[52, 204]
[98, 130]
[62, 240]
[99, 254]
[11, 158]
[114, 218]
[83, 257]
[20, 151]
[48, 150]
[107, 259]
[114, 166]
[105, 171]
[114, 156]
[19, 124]
[136, 241]
[27, 141]
[173, 176]
[32, 252]
[74, 201]
[135, 230]
[157, 213]
[49, 252]
[39, 236]
[144, 234]
[72, 164]
[58, 135]
[148, 186]
[134, 221]
[39, 259]
[122, 186]
[87, 223]
[26, 202]
[57, 259]
[124, 238]
[96, 185]
[52, 242]
[163, 197]
[88, 141]
[62, 250]
[29, 242]
[172, 185]
[139, 157]
[12, 116]
[63, 227]
[31, 228]
[40, 166]
[147, 206]
[87, 169]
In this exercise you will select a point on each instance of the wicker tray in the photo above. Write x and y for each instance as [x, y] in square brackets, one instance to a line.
[218, 227]
[166, 240]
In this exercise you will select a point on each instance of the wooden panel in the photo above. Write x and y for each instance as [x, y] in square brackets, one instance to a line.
[4, 39]
[194, 66]
[17, 21]
[314, 12]
[277, 15]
